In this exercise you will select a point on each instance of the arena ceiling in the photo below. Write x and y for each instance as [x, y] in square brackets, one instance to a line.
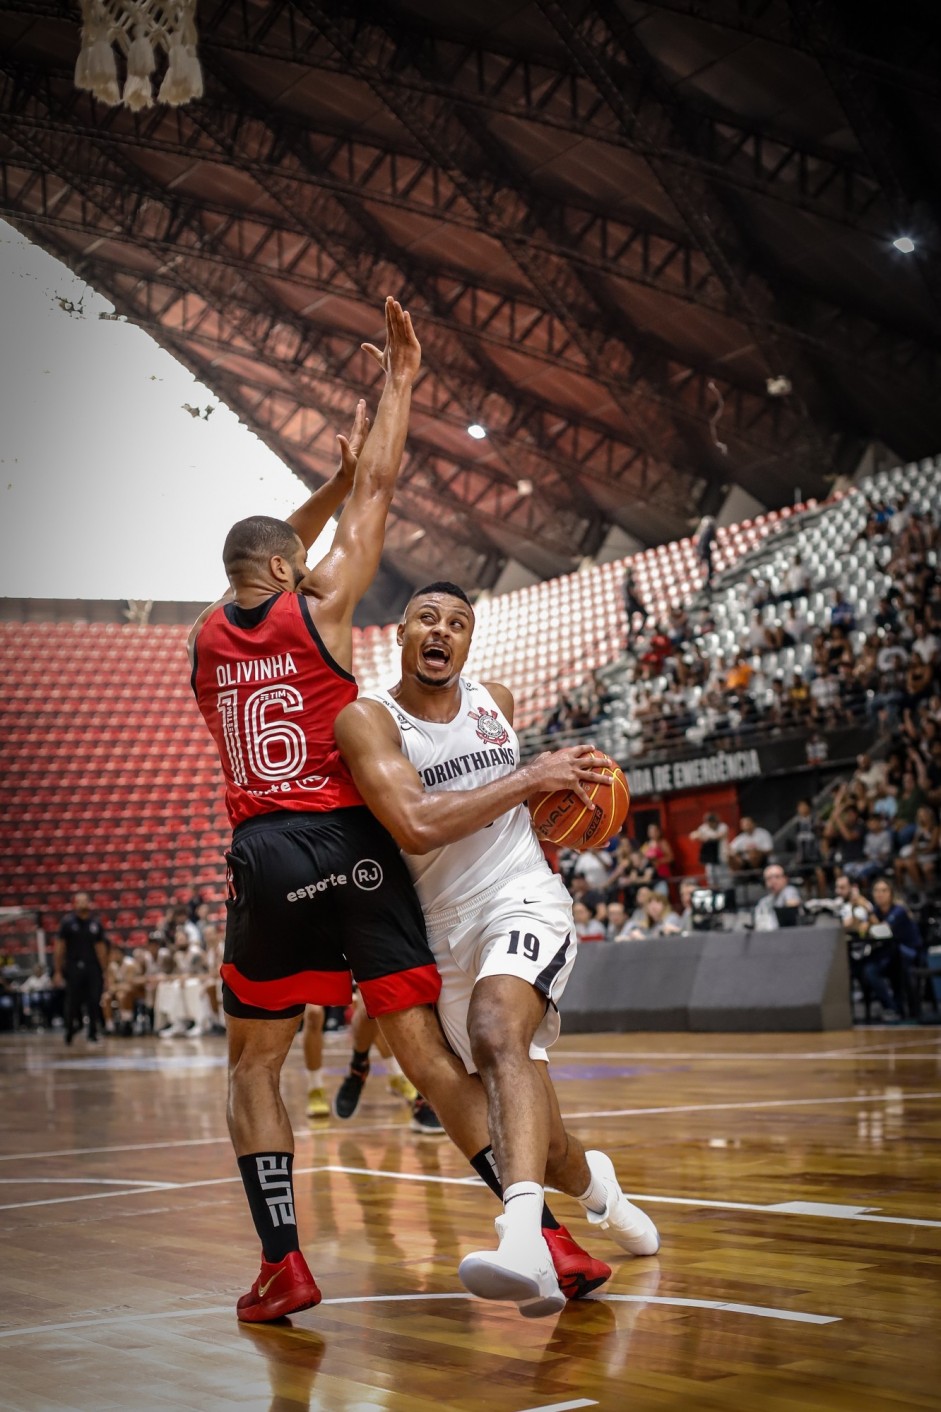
[614, 222]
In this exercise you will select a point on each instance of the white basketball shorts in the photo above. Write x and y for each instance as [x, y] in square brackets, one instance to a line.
[522, 927]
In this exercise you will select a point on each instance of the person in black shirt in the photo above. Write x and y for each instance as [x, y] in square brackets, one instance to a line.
[81, 949]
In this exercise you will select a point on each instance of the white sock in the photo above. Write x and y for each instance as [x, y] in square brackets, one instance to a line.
[595, 1198]
[522, 1208]
[315, 1078]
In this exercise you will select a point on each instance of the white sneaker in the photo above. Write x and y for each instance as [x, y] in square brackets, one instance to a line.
[515, 1271]
[628, 1225]
[175, 1031]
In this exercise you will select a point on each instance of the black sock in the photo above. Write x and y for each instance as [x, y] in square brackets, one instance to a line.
[359, 1064]
[269, 1187]
[484, 1164]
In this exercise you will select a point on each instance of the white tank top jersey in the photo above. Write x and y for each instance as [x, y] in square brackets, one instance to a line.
[478, 746]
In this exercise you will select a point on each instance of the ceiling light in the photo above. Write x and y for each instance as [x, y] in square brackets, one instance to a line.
[905, 244]
[779, 386]
[477, 431]
[524, 487]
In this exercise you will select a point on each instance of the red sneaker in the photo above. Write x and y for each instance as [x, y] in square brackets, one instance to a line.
[280, 1289]
[578, 1272]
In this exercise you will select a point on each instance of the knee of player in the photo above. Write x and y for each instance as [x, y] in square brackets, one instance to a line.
[493, 1042]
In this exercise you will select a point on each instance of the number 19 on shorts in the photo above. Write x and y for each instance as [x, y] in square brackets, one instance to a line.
[530, 945]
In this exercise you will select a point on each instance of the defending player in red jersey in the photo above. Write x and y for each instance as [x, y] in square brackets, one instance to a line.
[317, 886]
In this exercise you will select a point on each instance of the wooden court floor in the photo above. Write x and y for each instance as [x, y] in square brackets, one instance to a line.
[795, 1180]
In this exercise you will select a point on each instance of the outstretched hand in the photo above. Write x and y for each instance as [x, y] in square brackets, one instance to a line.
[401, 357]
[351, 446]
[573, 768]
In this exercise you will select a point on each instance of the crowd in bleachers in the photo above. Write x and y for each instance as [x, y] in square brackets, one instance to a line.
[834, 625]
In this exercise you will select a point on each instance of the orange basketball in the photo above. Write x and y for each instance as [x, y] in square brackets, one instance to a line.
[559, 816]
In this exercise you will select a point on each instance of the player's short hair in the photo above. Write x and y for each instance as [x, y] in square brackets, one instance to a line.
[255, 540]
[453, 590]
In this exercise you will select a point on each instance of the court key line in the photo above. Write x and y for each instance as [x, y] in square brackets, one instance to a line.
[761, 1311]
[897, 1095]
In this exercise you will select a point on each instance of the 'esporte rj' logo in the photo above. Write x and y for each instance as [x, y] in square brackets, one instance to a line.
[488, 727]
[367, 875]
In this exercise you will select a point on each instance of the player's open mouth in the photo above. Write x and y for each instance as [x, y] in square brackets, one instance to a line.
[435, 654]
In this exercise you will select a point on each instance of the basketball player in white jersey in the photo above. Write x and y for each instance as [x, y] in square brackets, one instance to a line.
[437, 761]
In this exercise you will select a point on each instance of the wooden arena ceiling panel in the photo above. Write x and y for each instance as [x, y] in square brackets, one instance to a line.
[606, 216]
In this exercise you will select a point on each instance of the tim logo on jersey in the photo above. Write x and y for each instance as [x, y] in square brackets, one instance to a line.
[488, 727]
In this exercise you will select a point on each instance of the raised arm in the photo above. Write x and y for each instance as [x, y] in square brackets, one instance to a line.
[419, 820]
[339, 581]
[311, 517]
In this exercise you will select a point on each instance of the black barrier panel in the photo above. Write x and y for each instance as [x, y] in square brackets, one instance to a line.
[781, 980]
[746, 982]
[632, 985]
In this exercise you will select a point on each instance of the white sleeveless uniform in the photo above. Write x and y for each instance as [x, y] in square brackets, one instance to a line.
[492, 904]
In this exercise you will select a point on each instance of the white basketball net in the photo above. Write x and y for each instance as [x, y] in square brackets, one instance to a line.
[137, 29]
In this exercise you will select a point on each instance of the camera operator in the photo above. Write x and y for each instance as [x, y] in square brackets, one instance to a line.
[780, 905]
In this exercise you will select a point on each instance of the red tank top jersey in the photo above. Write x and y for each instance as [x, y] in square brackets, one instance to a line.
[270, 692]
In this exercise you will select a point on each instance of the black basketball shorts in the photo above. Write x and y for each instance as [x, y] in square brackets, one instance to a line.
[314, 897]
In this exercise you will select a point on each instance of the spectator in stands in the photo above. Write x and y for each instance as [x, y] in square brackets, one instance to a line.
[578, 886]
[755, 591]
[844, 833]
[594, 865]
[37, 998]
[657, 919]
[916, 865]
[842, 614]
[80, 957]
[886, 616]
[871, 774]
[852, 701]
[800, 695]
[911, 797]
[640, 902]
[751, 847]
[739, 676]
[781, 903]
[854, 909]
[658, 852]
[687, 887]
[712, 835]
[824, 699]
[933, 774]
[808, 855]
[892, 654]
[918, 681]
[926, 645]
[587, 925]
[678, 625]
[757, 638]
[906, 945]
[634, 607]
[794, 627]
[616, 920]
[796, 580]
[878, 848]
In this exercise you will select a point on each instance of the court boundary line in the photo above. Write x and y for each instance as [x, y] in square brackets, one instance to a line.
[763, 1311]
